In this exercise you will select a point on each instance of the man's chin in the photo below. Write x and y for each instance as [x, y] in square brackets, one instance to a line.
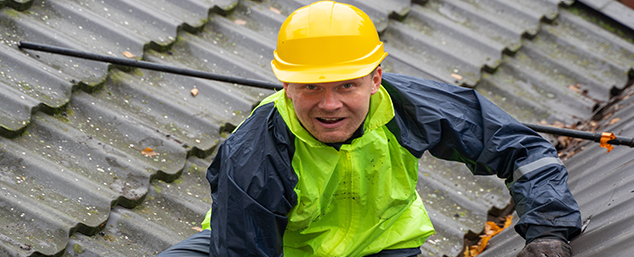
[329, 138]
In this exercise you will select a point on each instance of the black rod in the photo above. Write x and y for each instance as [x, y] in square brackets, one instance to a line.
[596, 137]
[148, 65]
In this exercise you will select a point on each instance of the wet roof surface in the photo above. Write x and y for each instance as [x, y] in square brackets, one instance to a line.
[77, 179]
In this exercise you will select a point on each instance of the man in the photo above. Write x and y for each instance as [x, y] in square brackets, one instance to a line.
[329, 165]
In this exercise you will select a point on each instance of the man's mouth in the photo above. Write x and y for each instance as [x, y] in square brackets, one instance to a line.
[329, 120]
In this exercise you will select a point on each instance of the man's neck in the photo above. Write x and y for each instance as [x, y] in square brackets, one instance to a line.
[357, 134]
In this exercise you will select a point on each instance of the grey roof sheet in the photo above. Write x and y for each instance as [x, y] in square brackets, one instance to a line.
[74, 180]
[613, 9]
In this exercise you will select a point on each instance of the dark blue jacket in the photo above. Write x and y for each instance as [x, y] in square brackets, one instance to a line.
[252, 179]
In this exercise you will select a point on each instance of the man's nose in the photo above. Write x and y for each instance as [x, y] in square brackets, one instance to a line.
[330, 101]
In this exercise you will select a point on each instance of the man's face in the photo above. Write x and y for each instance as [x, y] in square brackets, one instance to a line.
[333, 111]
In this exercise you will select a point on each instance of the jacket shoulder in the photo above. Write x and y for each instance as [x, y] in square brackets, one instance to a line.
[264, 123]
[414, 87]
[424, 107]
[261, 146]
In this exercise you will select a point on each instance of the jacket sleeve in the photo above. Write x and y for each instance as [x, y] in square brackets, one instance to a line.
[459, 124]
[252, 185]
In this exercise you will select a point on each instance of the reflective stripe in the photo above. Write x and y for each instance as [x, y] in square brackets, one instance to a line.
[521, 171]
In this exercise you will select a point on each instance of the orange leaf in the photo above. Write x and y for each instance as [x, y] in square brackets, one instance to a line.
[615, 120]
[490, 229]
[508, 222]
[240, 22]
[194, 91]
[558, 124]
[128, 54]
[149, 152]
[575, 88]
[456, 76]
[275, 10]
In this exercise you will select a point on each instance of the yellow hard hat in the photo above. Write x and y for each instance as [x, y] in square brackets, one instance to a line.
[325, 42]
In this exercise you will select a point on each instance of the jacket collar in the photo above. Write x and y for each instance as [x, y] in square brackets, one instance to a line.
[380, 113]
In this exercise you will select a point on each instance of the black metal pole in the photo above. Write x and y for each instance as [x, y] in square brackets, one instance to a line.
[269, 85]
[148, 65]
[566, 132]
[596, 136]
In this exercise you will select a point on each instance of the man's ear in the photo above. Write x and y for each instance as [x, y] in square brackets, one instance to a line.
[286, 90]
[376, 79]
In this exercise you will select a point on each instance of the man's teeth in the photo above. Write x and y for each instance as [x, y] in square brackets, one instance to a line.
[329, 120]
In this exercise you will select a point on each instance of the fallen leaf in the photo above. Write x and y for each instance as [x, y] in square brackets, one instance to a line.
[615, 120]
[616, 107]
[240, 22]
[490, 229]
[456, 76]
[128, 54]
[593, 123]
[194, 92]
[275, 10]
[508, 222]
[199, 229]
[563, 141]
[573, 88]
[558, 124]
[149, 152]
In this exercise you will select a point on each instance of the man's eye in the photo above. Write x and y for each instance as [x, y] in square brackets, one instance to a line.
[311, 87]
[345, 86]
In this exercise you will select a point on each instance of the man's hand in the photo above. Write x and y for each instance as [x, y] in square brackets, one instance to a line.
[546, 247]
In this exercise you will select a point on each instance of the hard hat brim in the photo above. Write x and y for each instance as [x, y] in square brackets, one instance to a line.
[323, 74]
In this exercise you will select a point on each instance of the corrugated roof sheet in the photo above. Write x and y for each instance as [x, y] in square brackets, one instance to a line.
[73, 176]
[613, 9]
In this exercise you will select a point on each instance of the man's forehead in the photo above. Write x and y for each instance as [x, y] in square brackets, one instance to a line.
[334, 83]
